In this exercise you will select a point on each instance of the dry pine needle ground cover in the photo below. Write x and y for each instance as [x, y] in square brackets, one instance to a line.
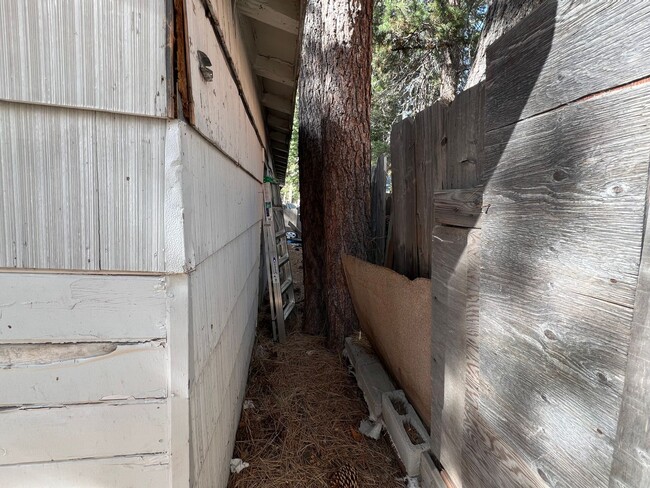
[304, 422]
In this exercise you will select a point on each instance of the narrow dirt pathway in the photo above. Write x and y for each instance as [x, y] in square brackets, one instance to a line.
[302, 413]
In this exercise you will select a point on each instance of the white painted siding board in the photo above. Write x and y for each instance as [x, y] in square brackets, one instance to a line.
[82, 431]
[129, 371]
[210, 385]
[222, 201]
[219, 112]
[131, 172]
[64, 308]
[219, 288]
[151, 471]
[234, 32]
[48, 188]
[179, 409]
[219, 450]
[94, 54]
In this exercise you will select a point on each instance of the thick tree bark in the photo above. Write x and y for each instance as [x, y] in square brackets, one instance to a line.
[449, 74]
[337, 87]
[502, 15]
[450, 62]
[310, 167]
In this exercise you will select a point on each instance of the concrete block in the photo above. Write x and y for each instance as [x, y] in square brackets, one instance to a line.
[371, 376]
[429, 474]
[399, 415]
[357, 354]
[374, 382]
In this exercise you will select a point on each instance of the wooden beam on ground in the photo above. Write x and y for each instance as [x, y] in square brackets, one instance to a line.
[277, 13]
[274, 69]
[278, 103]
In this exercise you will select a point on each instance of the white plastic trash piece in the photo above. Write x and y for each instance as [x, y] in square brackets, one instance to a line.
[248, 404]
[410, 482]
[370, 429]
[237, 465]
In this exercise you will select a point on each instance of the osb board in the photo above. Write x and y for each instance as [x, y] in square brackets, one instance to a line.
[395, 314]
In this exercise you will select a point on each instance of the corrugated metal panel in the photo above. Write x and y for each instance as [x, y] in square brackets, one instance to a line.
[73, 181]
[218, 109]
[102, 54]
[221, 201]
[131, 171]
[48, 217]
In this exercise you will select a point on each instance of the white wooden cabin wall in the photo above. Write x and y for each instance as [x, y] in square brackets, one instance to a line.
[69, 347]
[234, 33]
[75, 53]
[125, 355]
[219, 112]
[221, 201]
[223, 211]
[81, 190]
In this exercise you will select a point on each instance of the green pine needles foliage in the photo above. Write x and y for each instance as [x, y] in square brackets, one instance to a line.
[410, 39]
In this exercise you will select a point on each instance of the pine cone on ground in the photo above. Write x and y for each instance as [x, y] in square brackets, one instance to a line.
[344, 477]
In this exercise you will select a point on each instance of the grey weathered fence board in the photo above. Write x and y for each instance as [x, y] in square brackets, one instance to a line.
[430, 175]
[378, 210]
[465, 133]
[404, 200]
[630, 468]
[449, 285]
[560, 256]
[459, 208]
[563, 51]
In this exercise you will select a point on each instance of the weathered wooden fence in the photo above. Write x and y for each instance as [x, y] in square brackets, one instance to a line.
[525, 202]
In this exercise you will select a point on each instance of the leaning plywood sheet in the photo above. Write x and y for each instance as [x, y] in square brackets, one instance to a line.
[149, 471]
[395, 314]
[560, 258]
[563, 51]
[102, 54]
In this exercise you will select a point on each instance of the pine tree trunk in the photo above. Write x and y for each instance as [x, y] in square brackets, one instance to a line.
[502, 15]
[449, 74]
[347, 37]
[310, 166]
[334, 156]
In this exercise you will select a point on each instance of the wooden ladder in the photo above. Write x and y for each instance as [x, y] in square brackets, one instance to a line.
[278, 265]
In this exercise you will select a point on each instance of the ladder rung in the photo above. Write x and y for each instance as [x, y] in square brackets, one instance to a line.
[283, 259]
[288, 308]
[286, 284]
